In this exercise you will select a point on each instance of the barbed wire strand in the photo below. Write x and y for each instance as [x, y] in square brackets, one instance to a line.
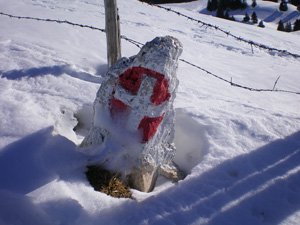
[239, 85]
[139, 45]
[52, 21]
[228, 33]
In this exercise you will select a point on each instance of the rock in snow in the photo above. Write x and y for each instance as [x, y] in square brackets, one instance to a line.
[134, 110]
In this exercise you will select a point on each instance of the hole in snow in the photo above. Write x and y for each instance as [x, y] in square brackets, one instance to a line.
[190, 140]
[84, 117]
[107, 182]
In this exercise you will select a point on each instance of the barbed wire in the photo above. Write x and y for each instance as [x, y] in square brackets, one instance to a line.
[136, 43]
[52, 21]
[69, 23]
[139, 45]
[239, 85]
[228, 33]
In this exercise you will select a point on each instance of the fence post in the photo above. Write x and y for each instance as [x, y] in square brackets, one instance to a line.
[112, 27]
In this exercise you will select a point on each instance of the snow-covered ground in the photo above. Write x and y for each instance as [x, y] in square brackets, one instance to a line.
[241, 149]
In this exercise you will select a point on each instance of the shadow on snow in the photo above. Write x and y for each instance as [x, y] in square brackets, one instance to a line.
[35, 160]
[261, 187]
[56, 70]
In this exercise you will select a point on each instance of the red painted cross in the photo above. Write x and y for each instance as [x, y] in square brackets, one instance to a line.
[131, 81]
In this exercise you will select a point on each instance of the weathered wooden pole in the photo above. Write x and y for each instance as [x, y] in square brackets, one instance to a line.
[112, 27]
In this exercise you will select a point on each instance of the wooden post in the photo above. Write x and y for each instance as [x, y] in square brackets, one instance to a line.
[112, 27]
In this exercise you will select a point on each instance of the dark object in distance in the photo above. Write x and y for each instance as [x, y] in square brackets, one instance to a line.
[165, 1]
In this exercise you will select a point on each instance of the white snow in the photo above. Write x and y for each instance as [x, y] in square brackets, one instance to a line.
[241, 149]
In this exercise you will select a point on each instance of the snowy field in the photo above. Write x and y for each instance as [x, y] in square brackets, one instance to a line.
[241, 149]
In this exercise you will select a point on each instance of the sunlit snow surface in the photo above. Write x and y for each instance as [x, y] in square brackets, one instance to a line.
[241, 149]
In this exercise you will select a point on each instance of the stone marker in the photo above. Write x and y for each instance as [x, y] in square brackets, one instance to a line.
[134, 112]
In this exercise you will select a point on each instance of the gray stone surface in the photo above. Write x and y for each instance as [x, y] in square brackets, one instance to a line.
[134, 110]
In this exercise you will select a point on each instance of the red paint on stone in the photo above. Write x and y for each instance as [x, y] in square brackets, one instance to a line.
[131, 81]
[149, 126]
[117, 106]
[160, 92]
